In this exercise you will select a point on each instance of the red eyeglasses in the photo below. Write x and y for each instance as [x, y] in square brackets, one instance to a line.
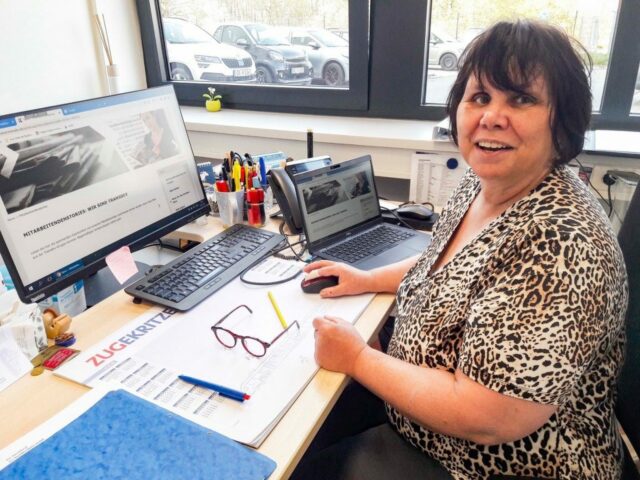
[253, 346]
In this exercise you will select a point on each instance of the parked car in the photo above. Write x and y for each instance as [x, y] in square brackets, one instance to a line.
[277, 61]
[194, 55]
[328, 53]
[444, 51]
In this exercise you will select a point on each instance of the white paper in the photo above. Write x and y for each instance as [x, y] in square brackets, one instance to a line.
[45, 430]
[273, 269]
[146, 356]
[432, 180]
[13, 363]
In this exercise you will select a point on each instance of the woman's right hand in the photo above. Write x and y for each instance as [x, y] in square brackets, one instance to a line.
[352, 281]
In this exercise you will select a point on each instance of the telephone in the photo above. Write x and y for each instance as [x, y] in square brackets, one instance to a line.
[284, 191]
[285, 194]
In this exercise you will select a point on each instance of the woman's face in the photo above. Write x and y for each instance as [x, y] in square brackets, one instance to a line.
[506, 136]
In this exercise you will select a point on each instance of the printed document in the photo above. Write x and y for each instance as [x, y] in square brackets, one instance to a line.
[146, 356]
[434, 176]
[13, 363]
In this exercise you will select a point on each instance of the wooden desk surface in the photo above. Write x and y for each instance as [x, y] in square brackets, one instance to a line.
[32, 400]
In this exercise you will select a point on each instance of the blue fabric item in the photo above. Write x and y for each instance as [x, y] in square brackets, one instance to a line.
[123, 436]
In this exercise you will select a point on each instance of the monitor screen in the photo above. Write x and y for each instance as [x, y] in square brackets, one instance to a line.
[81, 180]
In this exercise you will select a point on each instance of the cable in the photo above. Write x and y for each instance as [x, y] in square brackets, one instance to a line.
[608, 202]
[393, 212]
[296, 255]
[274, 252]
[160, 244]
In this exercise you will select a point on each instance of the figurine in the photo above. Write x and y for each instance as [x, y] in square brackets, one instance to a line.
[55, 324]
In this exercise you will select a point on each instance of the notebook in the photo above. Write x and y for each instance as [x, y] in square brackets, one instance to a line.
[123, 436]
[342, 221]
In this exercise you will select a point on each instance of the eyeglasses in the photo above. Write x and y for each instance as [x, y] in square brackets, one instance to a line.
[254, 346]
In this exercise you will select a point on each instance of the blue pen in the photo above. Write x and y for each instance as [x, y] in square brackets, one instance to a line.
[263, 171]
[224, 391]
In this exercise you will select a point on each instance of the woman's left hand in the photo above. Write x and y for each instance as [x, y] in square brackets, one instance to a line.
[338, 344]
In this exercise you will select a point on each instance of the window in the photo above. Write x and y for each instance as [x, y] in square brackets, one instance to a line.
[400, 58]
[260, 52]
[452, 28]
[635, 105]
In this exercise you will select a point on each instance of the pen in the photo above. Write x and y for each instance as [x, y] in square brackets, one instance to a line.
[263, 171]
[278, 312]
[237, 169]
[224, 391]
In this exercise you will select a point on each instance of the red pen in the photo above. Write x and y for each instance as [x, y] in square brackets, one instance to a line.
[222, 186]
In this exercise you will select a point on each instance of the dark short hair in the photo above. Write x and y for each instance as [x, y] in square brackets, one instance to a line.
[509, 56]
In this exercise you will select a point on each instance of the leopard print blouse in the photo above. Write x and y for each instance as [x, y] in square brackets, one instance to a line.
[532, 308]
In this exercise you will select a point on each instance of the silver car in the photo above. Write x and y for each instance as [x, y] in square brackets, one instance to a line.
[444, 51]
[328, 53]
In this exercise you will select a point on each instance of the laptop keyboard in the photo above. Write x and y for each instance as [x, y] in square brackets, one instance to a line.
[203, 270]
[369, 243]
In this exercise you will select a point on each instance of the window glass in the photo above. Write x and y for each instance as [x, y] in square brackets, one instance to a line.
[299, 44]
[635, 105]
[454, 23]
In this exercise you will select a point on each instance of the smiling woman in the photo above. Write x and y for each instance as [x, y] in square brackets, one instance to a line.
[513, 316]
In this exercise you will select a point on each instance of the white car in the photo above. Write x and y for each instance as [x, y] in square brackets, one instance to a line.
[196, 55]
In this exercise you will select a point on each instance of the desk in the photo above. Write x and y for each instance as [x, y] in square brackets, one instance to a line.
[32, 400]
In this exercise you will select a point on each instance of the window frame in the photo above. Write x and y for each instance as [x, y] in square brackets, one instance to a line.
[380, 62]
[264, 97]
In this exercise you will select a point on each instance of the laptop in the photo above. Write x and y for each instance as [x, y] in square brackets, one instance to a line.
[341, 217]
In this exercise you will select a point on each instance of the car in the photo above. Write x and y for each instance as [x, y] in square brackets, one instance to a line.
[194, 55]
[444, 51]
[328, 53]
[277, 61]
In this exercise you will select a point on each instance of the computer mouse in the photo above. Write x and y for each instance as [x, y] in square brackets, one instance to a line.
[314, 285]
[415, 211]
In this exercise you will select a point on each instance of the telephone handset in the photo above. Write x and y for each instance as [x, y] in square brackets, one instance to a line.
[285, 194]
[284, 191]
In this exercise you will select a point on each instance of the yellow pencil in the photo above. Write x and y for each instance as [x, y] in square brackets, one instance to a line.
[278, 312]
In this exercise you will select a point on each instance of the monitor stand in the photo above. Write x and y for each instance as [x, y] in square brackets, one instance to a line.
[103, 284]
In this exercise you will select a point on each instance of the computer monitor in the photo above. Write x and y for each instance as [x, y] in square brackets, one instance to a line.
[79, 181]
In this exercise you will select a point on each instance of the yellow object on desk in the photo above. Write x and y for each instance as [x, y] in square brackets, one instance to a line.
[278, 312]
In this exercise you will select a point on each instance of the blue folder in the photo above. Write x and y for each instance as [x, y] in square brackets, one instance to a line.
[123, 436]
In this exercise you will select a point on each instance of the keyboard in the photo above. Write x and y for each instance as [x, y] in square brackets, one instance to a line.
[205, 269]
[370, 242]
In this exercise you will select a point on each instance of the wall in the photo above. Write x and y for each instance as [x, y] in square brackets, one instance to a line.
[50, 52]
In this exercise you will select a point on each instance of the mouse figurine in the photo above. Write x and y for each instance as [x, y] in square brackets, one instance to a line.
[54, 323]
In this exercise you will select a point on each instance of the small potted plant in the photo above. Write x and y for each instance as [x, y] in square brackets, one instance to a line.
[213, 103]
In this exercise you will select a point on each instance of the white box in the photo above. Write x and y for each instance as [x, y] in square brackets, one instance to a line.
[70, 300]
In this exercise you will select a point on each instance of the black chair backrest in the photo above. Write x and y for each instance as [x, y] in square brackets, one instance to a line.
[628, 406]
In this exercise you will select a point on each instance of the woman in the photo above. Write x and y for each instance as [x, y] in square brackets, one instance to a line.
[509, 334]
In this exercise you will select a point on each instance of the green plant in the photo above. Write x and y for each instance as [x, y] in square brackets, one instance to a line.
[212, 94]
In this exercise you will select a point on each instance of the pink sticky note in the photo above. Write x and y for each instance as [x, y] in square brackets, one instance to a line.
[121, 264]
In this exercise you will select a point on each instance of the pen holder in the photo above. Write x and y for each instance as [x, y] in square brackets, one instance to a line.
[231, 206]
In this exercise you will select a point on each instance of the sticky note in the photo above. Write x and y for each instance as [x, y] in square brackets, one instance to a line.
[122, 264]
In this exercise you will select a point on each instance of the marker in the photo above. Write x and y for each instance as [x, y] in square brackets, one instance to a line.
[237, 172]
[223, 391]
[278, 312]
[263, 171]
[222, 186]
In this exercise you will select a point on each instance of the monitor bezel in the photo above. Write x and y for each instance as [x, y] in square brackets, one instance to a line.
[135, 241]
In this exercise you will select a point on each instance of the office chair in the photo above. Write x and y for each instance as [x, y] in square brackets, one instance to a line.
[627, 410]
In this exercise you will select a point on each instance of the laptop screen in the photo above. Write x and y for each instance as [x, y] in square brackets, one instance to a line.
[337, 198]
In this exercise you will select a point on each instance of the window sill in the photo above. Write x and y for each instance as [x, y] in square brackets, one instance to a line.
[371, 132]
